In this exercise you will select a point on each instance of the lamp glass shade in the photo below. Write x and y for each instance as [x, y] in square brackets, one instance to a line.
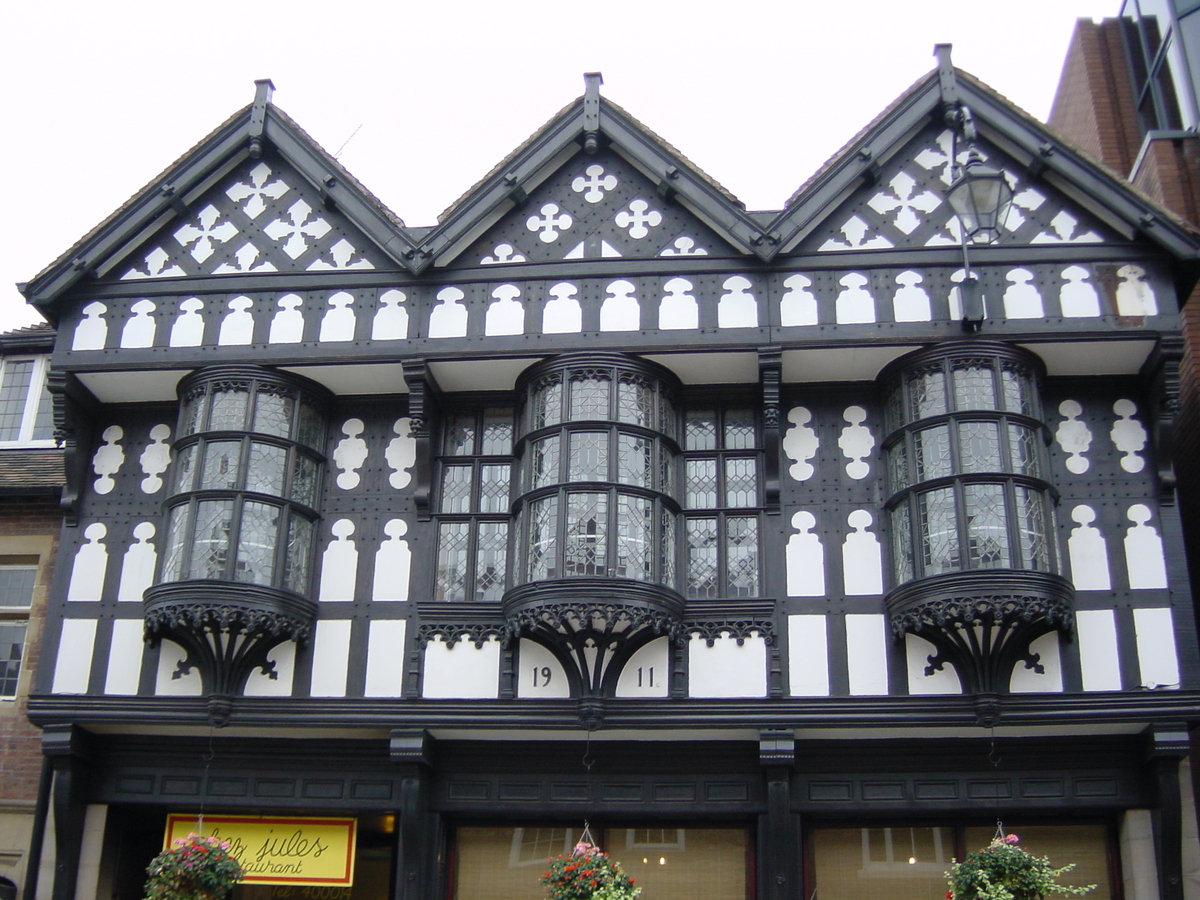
[981, 198]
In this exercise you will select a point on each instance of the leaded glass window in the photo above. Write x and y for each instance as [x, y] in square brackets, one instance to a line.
[26, 408]
[18, 579]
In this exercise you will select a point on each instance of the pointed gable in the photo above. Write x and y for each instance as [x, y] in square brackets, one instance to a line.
[263, 217]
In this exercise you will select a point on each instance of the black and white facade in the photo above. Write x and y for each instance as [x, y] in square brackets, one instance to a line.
[606, 499]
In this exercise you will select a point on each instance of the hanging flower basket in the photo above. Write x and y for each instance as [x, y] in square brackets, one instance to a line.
[193, 868]
[588, 874]
[1004, 871]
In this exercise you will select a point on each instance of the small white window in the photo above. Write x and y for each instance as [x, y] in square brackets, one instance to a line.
[26, 410]
[18, 577]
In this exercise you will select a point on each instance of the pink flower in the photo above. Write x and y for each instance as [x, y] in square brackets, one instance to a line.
[1011, 839]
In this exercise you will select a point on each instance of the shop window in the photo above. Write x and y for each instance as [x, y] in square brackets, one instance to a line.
[18, 577]
[26, 409]
[475, 470]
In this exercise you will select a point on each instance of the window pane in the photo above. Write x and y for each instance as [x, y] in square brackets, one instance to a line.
[453, 539]
[497, 432]
[221, 465]
[456, 489]
[932, 452]
[299, 554]
[493, 488]
[1031, 529]
[635, 460]
[634, 535]
[1084, 845]
[185, 469]
[987, 526]
[667, 545]
[258, 538]
[939, 531]
[1022, 446]
[12, 644]
[265, 473]
[43, 424]
[14, 391]
[684, 863]
[501, 863]
[491, 560]
[741, 482]
[304, 481]
[927, 393]
[635, 401]
[871, 863]
[902, 543]
[210, 547]
[588, 460]
[228, 410]
[979, 446]
[547, 403]
[189, 414]
[666, 470]
[739, 429]
[460, 435]
[668, 422]
[1018, 391]
[701, 488]
[273, 414]
[898, 465]
[589, 397]
[16, 585]
[702, 565]
[544, 462]
[311, 428]
[176, 534]
[975, 386]
[701, 430]
[587, 535]
[543, 534]
[742, 562]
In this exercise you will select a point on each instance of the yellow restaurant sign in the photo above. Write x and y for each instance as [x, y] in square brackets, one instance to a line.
[281, 849]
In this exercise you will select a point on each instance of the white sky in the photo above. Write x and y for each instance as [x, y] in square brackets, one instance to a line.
[100, 97]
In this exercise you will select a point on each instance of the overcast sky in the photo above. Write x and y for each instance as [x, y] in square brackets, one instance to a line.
[426, 97]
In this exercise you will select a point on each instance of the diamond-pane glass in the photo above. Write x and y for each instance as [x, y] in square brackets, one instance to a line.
[273, 414]
[701, 487]
[547, 403]
[635, 530]
[544, 461]
[228, 409]
[586, 551]
[742, 560]
[1018, 390]
[588, 459]
[635, 401]
[927, 393]
[1031, 529]
[16, 585]
[265, 472]
[172, 569]
[258, 537]
[543, 534]
[975, 386]
[898, 465]
[979, 446]
[299, 553]
[931, 448]
[635, 460]
[456, 488]
[1022, 446]
[493, 488]
[12, 644]
[741, 482]
[460, 435]
[185, 470]
[739, 430]
[987, 526]
[14, 393]
[491, 560]
[668, 422]
[589, 397]
[304, 480]
[497, 432]
[939, 531]
[189, 413]
[210, 547]
[311, 429]
[667, 549]
[703, 571]
[221, 465]
[666, 470]
[453, 540]
[894, 410]
[701, 427]
[902, 553]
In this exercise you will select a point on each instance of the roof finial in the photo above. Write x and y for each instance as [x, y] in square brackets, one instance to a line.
[947, 80]
[263, 89]
[591, 110]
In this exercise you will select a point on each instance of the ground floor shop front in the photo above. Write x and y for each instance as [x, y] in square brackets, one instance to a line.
[761, 816]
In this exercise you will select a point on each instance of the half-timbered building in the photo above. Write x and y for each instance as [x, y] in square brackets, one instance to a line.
[790, 551]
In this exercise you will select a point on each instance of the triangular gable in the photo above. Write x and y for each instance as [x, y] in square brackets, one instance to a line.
[885, 188]
[596, 206]
[665, 182]
[180, 196]
[263, 217]
[906, 205]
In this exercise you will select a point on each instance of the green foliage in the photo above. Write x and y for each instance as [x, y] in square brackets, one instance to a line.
[588, 874]
[1003, 871]
[193, 868]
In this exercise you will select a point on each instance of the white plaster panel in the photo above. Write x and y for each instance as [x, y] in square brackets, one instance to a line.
[385, 658]
[460, 671]
[1157, 661]
[1096, 633]
[87, 882]
[331, 658]
[726, 669]
[1027, 681]
[261, 685]
[647, 674]
[74, 662]
[917, 651]
[124, 657]
[808, 656]
[540, 675]
[1138, 866]
[170, 655]
[866, 654]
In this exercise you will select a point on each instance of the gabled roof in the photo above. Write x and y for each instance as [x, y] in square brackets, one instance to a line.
[1044, 155]
[168, 195]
